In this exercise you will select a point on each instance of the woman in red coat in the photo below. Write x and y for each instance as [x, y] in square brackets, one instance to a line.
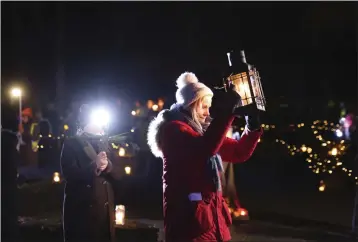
[194, 209]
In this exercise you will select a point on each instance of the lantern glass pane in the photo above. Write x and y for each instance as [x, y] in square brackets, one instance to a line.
[242, 87]
[257, 90]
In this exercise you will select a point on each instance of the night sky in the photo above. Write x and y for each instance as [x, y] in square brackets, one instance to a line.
[303, 50]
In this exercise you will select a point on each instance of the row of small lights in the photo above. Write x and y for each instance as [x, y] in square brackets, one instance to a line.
[62, 136]
[292, 148]
[57, 178]
[335, 150]
[151, 105]
[316, 163]
[121, 153]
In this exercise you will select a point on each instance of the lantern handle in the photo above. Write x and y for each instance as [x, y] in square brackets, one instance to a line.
[227, 84]
[229, 58]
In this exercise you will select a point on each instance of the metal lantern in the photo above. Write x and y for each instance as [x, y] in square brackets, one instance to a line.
[247, 83]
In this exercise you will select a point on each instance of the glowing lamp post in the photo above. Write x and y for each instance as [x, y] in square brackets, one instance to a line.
[16, 92]
[120, 213]
[247, 82]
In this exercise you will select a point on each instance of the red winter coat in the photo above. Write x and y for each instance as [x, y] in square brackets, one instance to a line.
[185, 154]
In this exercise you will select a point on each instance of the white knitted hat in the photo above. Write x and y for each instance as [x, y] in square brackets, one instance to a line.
[190, 89]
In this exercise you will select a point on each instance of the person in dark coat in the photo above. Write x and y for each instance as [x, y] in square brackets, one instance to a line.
[10, 160]
[88, 209]
[194, 209]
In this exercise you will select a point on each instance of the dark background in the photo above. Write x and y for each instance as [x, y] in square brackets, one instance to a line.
[306, 54]
[305, 51]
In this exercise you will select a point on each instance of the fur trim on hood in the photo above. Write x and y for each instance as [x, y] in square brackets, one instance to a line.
[152, 135]
[175, 113]
[155, 126]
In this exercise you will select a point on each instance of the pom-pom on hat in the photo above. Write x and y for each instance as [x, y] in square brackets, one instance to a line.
[190, 89]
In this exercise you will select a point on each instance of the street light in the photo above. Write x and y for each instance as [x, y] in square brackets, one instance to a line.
[16, 92]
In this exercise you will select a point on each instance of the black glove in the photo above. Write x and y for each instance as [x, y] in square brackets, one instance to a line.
[251, 114]
[253, 122]
[224, 102]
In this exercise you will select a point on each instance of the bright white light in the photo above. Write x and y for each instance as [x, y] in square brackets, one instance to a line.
[100, 117]
[16, 92]
[339, 133]
[229, 59]
[155, 107]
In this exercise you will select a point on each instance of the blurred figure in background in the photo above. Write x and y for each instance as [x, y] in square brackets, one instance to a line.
[9, 161]
[88, 207]
[27, 153]
[43, 125]
[42, 130]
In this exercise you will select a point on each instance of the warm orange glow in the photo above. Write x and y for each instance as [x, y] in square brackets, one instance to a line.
[160, 103]
[150, 104]
[241, 83]
[240, 212]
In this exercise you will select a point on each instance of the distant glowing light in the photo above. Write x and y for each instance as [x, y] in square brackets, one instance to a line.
[121, 152]
[100, 117]
[16, 92]
[155, 107]
[56, 177]
[334, 151]
[128, 170]
[339, 133]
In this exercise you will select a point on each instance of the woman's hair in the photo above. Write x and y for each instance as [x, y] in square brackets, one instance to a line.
[192, 109]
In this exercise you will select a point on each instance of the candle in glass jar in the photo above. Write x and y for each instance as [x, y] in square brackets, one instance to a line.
[120, 214]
